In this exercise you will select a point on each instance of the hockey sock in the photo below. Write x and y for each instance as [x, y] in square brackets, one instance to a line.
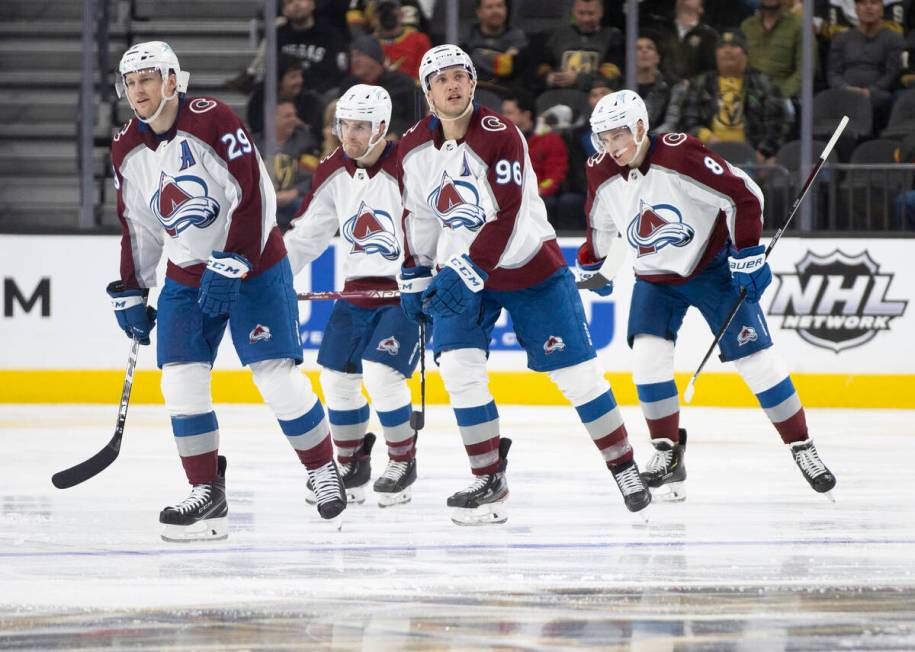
[309, 437]
[464, 374]
[348, 428]
[661, 406]
[586, 388]
[398, 434]
[197, 437]
[767, 377]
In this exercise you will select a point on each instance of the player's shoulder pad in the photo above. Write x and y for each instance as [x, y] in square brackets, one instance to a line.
[422, 132]
[208, 118]
[492, 131]
[326, 168]
[599, 168]
[677, 151]
[125, 140]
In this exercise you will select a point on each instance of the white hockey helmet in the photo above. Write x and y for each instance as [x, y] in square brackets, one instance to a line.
[620, 109]
[441, 57]
[151, 54]
[364, 102]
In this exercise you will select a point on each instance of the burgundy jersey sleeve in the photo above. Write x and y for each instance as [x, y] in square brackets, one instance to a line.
[508, 167]
[600, 226]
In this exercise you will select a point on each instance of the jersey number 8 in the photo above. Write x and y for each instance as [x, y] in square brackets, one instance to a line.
[236, 148]
[506, 172]
[713, 165]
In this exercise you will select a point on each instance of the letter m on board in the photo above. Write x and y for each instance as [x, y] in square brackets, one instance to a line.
[12, 293]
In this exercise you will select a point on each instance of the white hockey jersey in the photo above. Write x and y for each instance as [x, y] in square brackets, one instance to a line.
[200, 187]
[676, 211]
[476, 196]
[365, 205]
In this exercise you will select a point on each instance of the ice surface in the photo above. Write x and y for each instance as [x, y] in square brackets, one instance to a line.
[753, 560]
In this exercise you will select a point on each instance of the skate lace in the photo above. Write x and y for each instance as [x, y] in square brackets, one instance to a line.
[660, 461]
[395, 470]
[200, 494]
[326, 484]
[480, 482]
[810, 462]
[346, 468]
[629, 481]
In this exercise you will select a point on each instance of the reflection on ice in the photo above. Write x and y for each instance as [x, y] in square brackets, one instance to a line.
[752, 560]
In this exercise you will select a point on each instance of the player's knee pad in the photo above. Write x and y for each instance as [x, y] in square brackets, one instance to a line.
[464, 374]
[342, 391]
[284, 387]
[186, 388]
[653, 359]
[582, 382]
[761, 370]
[386, 386]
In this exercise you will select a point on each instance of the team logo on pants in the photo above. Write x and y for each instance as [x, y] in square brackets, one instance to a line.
[747, 334]
[389, 345]
[657, 226]
[457, 204]
[553, 343]
[259, 334]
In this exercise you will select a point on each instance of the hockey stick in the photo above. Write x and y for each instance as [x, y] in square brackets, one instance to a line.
[690, 388]
[616, 256]
[101, 460]
[418, 419]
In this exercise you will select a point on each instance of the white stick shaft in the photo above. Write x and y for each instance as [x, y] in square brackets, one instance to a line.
[835, 137]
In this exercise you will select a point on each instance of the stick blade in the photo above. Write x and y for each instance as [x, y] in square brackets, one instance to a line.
[417, 420]
[84, 470]
[592, 283]
[689, 391]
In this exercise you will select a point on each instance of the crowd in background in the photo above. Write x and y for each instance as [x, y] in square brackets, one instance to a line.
[725, 71]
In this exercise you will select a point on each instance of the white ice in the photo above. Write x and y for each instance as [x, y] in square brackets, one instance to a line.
[753, 560]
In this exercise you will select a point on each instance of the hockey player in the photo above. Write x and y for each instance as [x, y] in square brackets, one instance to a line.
[471, 210]
[693, 222]
[191, 183]
[355, 189]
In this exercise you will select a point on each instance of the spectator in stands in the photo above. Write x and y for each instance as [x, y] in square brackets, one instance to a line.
[570, 206]
[774, 39]
[867, 59]
[652, 87]
[722, 14]
[361, 16]
[495, 48]
[686, 44]
[545, 147]
[290, 86]
[320, 49]
[838, 16]
[403, 46]
[577, 54]
[368, 68]
[329, 140]
[735, 102]
[294, 163]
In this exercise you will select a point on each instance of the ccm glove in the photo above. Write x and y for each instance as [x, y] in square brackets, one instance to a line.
[412, 281]
[134, 317]
[750, 271]
[456, 288]
[221, 282]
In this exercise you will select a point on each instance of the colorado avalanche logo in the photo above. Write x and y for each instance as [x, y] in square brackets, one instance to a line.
[372, 232]
[182, 202]
[260, 333]
[747, 334]
[457, 204]
[389, 345]
[657, 226]
[553, 343]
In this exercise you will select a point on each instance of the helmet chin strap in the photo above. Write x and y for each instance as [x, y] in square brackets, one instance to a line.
[638, 147]
[464, 113]
[368, 150]
[165, 100]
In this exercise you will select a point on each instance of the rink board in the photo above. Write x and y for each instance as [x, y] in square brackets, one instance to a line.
[838, 310]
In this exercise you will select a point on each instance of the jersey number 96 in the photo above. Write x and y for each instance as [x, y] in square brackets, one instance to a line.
[507, 171]
[237, 144]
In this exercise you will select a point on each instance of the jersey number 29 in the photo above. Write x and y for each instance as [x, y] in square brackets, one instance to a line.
[239, 147]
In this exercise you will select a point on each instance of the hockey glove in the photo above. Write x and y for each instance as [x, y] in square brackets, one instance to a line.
[221, 282]
[134, 317]
[456, 288]
[412, 281]
[587, 271]
[750, 271]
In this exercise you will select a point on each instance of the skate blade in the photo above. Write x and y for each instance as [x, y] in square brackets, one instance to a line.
[489, 514]
[355, 495]
[673, 492]
[397, 498]
[310, 497]
[211, 529]
[829, 496]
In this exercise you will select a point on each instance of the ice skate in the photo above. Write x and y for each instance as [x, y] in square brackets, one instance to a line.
[635, 494]
[482, 502]
[815, 472]
[665, 474]
[355, 474]
[329, 491]
[202, 516]
[393, 487]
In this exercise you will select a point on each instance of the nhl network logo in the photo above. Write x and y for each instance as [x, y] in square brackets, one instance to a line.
[836, 301]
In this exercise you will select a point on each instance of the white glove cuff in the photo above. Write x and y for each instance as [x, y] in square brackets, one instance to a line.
[746, 265]
[123, 303]
[228, 266]
[410, 285]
